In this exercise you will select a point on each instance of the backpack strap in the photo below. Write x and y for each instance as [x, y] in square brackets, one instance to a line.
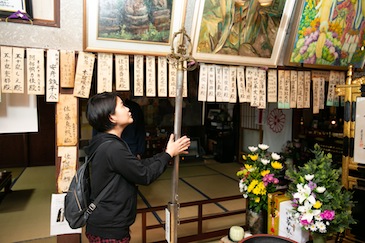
[92, 205]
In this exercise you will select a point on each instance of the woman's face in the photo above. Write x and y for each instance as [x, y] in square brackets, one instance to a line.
[122, 116]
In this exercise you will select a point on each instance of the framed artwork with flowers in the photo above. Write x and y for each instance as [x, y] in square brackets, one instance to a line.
[329, 34]
[131, 26]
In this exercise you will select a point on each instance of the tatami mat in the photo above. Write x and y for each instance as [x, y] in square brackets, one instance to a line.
[25, 213]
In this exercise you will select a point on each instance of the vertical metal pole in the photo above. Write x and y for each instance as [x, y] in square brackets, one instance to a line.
[174, 209]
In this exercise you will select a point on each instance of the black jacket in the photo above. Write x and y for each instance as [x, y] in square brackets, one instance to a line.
[116, 212]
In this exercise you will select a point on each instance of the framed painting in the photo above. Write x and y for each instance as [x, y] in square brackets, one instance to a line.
[10, 7]
[131, 26]
[240, 32]
[329, 34]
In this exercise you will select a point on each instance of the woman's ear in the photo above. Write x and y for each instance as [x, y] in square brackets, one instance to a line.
[112, 118]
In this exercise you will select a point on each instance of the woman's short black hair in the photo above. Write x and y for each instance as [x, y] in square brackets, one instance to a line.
[98, 110]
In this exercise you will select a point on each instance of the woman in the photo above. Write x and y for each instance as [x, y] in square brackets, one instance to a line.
[116, 212]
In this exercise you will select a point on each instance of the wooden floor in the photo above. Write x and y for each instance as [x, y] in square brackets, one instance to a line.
[25, 213]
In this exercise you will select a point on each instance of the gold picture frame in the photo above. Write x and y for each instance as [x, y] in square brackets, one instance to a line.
[230, 33]
[149, 32]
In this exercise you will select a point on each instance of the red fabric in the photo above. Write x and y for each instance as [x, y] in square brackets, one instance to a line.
[97, 239]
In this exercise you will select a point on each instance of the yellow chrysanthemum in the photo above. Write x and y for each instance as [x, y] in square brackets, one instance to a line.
[259, 189]
[254, 157]
[248, 167]
[252, 185]
[265, 172]
[244, 157]
[257, 200]
[276, 165]
[317, 205]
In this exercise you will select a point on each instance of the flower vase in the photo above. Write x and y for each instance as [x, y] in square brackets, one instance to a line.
[257, 222]
[319, 238]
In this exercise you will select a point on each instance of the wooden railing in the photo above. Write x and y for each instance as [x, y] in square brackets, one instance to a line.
[199, 219]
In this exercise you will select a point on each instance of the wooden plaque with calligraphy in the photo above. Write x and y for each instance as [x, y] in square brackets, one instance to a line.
[67, 120]
[67, 168]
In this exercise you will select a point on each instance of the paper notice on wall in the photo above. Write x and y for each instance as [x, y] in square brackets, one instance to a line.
[233, 84]
[67, 68]
[162, 77]
[300, 89]
[59, 224]
[321, 93]
[250, 73]
[122, 73]
[331, 95]
[211, 83]
[105, 72]
[52, 76]
[272, 85]
[138, 75]
[219, 83]
[293, 88]
[35, 71]
[150, 76]
[84, 73]
[18, 70]
[203, 83]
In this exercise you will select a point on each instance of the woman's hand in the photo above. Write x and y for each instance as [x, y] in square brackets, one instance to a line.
[180, 146]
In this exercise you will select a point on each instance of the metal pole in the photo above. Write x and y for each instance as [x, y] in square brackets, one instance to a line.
[178, 57]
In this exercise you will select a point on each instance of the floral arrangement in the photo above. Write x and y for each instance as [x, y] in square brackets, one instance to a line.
[320, 204]
[296, 151]
[259, 176]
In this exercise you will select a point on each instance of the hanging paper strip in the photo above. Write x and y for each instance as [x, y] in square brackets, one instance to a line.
[67, 120]
[172, 80]
[162, 77]
[272, 85]
[6, 69]
[226, 84]
[262, 88]
[284, 89]
[203, 82]
[321, 93]
[233, 84]
[293, 88]
[251, 72]
[307, 88]
[35, 71]
[241, 87]
[211, 83]
[18, 70]
[219, 83]
[316, 87]
[67, 69]
[52, 75]
[150, 76]
[300, 89]
[342, 80]
[105, 72]
[68, 166]
[122, 73]
[253, 75]
[138, 75]
[331, 95]
[84, 73]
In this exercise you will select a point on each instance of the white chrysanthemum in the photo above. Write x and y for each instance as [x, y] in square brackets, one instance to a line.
[321, 227]
[245, 195]
[265, 161]
[320, 189]
[309, 177]
[275, 156]
[263, 146]
[252, 148]
[318, 217]
[313, 227]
